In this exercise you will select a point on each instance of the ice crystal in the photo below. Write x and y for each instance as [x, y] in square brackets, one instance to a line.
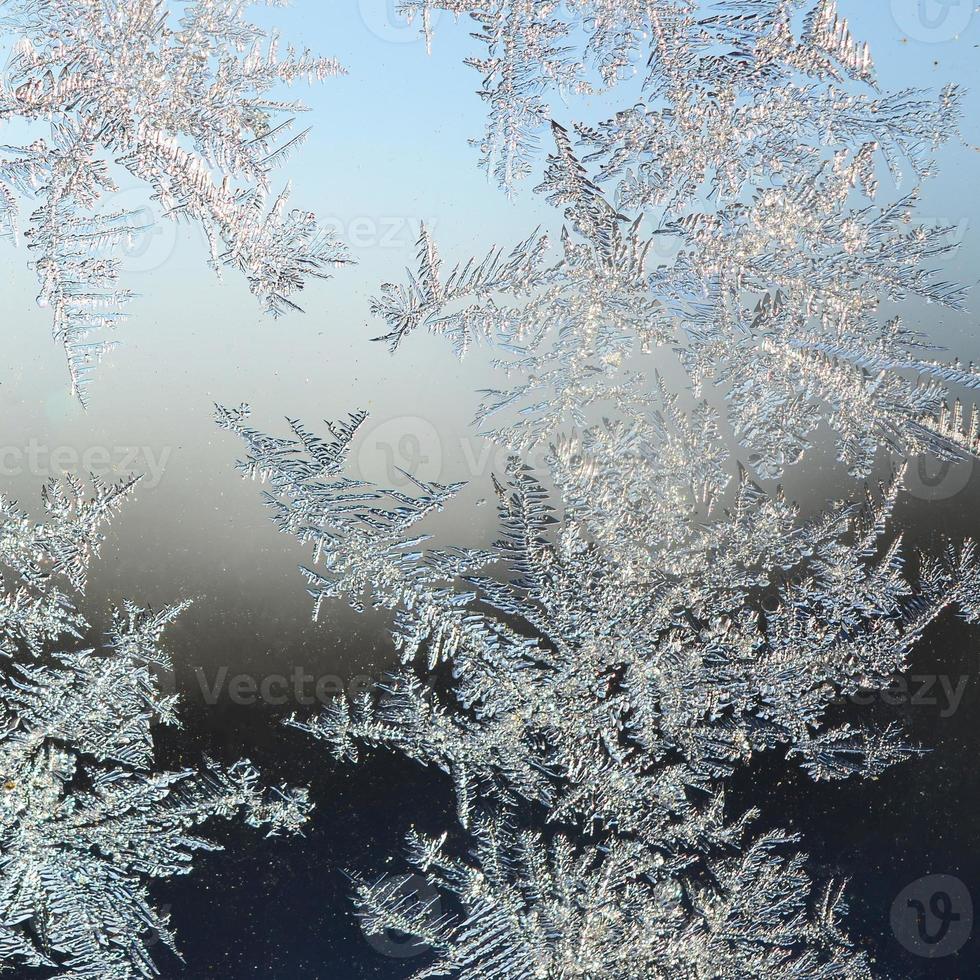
[730, 641]
[36, 556]
[612, 696]
[654, 614]
[531, 52]
[86, 818]
[532, 908]
[773, 335]
[780, 68]
[728, 226]
[181, 97]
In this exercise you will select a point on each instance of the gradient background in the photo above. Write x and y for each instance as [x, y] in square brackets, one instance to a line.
[389, 149]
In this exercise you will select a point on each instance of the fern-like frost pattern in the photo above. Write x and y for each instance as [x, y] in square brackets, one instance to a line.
[737, 256]
[87, 819]
[182, 98]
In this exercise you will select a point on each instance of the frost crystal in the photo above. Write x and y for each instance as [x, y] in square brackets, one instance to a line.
[775, 320]
[34, 556]
[535, 49]
[86, 820]
[750, 73]
[532, 909]
[183, 103]
[653, 615]
[614, 697]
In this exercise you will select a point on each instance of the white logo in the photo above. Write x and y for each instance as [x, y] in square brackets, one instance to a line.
[933, 21]
[398, 449]
[152, 239]
[928, 478]
[384, 19]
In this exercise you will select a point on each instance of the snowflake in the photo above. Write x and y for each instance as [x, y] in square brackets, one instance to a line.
[183, 103]
[86, 820]
[609, 695]
[654, 615]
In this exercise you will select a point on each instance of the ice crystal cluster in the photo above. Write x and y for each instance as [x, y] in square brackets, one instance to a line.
[182, 97]
[615, 702]
[727, 293]
[87, 820]
[701, 62]
[733, 227]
